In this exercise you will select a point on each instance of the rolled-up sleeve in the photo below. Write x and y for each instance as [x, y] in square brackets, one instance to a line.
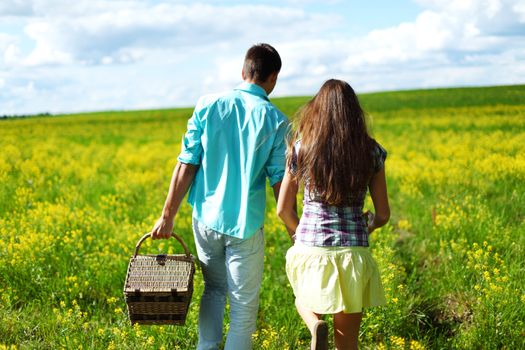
[191, 152]
[275, 165]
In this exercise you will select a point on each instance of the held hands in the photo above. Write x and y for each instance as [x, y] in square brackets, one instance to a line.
[162, 229]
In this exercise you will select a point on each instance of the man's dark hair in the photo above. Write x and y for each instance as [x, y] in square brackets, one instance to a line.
[261, 60]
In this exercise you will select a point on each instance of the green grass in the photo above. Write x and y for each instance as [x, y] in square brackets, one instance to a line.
[78, 191]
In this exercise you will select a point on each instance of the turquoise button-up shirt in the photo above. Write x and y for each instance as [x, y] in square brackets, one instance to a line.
[239, 140]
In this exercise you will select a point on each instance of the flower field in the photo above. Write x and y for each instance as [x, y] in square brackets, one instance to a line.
[78, 191]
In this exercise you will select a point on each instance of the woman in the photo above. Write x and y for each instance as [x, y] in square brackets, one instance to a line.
[329, 266]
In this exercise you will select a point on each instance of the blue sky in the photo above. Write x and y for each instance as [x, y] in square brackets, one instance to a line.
[89, 55]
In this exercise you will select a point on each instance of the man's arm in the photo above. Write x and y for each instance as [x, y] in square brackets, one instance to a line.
[182, 178]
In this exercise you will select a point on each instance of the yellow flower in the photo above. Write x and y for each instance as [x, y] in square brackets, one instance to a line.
[116, 331]
[138, 331]
[404, 225]
[415, 345]
[381, 346]
[397, 342]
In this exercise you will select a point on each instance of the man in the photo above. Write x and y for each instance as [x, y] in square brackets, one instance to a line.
[232, 144]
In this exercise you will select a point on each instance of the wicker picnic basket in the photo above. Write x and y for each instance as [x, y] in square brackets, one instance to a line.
[158, 288]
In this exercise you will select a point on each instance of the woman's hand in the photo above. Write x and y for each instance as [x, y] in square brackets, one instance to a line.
[369, 217]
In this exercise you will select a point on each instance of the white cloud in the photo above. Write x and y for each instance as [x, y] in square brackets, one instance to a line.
[519, 8]
[460, 26]
[5, 39]
[451, 43]
[304, 2]
[103, 32]
[12, 55]
[97, 55]
[493, 16]
[45, 52]
[9, 52]
[15, 8]
[54, 8]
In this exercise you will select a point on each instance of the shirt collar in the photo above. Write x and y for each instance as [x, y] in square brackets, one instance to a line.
[253, 89]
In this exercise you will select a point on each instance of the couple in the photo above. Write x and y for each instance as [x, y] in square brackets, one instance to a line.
[232, 144]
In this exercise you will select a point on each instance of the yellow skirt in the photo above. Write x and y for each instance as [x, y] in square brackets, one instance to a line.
[328, 280]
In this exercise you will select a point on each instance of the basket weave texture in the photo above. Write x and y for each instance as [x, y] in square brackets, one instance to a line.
[158, 288]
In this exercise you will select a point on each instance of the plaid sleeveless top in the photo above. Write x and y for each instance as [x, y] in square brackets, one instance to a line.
[323, 225]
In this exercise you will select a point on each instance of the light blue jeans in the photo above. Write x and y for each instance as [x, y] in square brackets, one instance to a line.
[231, 267]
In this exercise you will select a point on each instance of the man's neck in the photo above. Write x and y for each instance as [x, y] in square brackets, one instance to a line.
[265, 86]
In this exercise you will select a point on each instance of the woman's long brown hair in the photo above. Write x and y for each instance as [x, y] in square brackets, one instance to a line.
[335, 156]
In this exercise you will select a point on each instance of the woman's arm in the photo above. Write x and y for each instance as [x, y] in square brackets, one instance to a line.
[379, 196]
[287, 205]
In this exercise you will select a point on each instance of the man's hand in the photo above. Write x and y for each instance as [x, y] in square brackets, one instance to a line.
[162, 229]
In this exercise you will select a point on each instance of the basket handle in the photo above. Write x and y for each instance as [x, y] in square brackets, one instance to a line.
[147, 235]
